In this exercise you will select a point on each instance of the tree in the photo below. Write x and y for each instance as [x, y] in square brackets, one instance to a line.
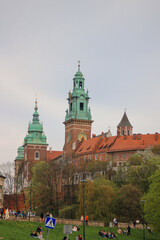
[100, 168]
[127, 203]
[69, 186]
[43, 187]
[120, 176]
[156, 149]
[152, 201]
[7, 170]
[140, 167]
[99, 195]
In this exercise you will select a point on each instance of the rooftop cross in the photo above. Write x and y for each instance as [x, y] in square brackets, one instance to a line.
[78, 65]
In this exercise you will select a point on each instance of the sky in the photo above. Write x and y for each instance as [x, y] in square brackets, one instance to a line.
[41, 41]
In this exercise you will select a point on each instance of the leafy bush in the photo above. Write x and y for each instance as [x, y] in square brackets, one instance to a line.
[69, 212]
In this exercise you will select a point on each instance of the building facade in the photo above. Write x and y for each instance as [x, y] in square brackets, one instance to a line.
[2, 178]
[79, 145]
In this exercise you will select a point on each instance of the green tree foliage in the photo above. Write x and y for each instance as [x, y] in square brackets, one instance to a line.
[127, 203]
[70, 188]
[120, 177]
[152, 203]
[98, 168]
[156, 149]
[99, 195]
[43, 187]
[140, 167]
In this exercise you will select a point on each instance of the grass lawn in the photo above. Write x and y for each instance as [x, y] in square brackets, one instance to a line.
[11, 230]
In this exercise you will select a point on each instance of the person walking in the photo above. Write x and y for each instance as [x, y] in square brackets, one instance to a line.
[86, 220]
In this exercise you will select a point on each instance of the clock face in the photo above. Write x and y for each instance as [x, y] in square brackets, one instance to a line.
[68, 137]
[82, 135]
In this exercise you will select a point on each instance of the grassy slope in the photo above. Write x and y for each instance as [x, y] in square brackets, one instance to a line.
[11, 230]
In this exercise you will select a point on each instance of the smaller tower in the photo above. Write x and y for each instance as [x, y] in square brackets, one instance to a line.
[124, 128]
[2, 178]
[35, 145]
[19, 168]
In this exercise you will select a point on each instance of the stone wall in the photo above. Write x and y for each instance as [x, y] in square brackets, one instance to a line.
[59, 221]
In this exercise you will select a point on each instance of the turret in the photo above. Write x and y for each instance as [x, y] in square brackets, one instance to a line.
[78, 99]
[124, 128]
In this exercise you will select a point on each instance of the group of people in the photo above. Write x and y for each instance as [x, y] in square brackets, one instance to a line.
[126, 231]
[38, 233]
[86, 219]
[108, 234]
[5, 213]
[79, 237]
[76, 228]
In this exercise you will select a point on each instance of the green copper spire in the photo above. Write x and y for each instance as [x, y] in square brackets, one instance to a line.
[36, 115]
[20, 155]
[78, 99]
[35, 130]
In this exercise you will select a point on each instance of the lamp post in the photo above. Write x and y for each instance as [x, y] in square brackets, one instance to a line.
[84, 181]
[143, 201]
[30, 191]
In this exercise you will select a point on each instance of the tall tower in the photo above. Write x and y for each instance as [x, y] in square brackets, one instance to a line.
[35, 146]
[124, 128]
[78, 118]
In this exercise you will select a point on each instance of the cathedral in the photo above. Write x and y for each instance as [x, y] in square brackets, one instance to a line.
[80, 145]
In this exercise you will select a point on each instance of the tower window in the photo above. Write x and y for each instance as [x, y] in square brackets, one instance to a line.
[123, 132]
[81, 106]
[70, 106]
[80, 85]
[128, 132]
[36, 155]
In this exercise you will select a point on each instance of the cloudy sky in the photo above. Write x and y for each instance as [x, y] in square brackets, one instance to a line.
[118, 44]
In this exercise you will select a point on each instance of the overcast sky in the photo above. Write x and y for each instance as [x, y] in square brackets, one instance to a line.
[41, 41]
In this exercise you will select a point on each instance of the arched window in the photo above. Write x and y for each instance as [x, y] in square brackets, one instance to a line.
[36, 155]
[80, 85]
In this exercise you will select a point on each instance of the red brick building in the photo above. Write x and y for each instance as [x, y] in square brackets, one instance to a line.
[79, 146]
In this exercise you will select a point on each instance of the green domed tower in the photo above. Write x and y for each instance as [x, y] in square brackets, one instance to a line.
[18, 168]
[78, 118]
[35, 130]
[35, 145]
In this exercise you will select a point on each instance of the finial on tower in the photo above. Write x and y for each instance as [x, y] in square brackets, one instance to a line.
[36, 102]
[78, 65]
[125, 110]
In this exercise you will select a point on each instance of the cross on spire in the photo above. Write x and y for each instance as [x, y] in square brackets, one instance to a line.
[78, 65]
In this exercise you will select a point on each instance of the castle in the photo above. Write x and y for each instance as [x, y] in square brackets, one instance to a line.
[80, 146]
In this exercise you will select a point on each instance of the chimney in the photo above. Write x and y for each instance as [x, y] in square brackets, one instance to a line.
[93, 135]
[134, 137]
[139, 136]
[118, 133]
[156, 136]
[50, 149]
[102, 134]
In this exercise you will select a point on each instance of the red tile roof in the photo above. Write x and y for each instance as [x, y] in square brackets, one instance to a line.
[105, 144]
[117, 144]
[87, 146]
[135, 142]
[53, 154]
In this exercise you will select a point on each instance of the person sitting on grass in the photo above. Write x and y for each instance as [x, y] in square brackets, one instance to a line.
[40, 236]
[149, 229]
[34, 234]
[119, 231]
[39, 229]
[74, 229]
[113, 236]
